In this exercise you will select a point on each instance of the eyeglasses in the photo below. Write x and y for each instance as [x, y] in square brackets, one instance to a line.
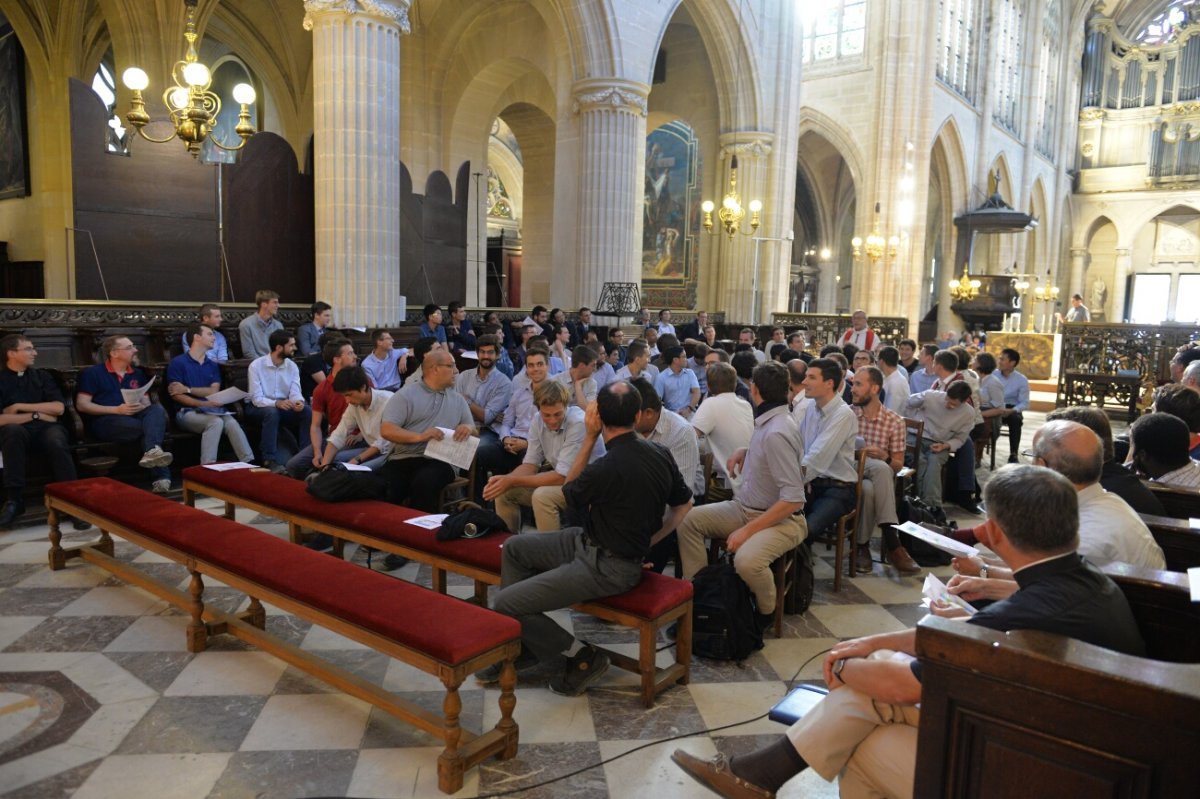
[130, 347]
[30, 348]
[1028, 453]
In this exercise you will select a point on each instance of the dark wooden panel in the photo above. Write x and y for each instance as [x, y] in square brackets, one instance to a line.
[269, 236]
[433, 237]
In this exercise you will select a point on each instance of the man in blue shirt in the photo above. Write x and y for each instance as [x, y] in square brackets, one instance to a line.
[432, 326]
[191, 379]
[310, 332]
[109, 417]
[460, 334]
[210, 316]
[677, 385]
[1016, 398]
[384, 363]
[923, 379]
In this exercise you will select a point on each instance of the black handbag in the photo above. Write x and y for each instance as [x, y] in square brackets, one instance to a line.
[470, 522]
[336, 483]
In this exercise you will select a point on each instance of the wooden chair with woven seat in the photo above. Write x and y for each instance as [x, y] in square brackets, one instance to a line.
[461, 483]
[844, 530]
[906, 479]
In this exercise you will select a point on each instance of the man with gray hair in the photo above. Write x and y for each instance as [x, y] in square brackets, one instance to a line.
[1191, 376]
[865, 730]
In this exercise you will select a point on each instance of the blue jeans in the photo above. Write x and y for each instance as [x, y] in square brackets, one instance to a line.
[271, 418]
[826, 504]
[148, 425]
[300, 464]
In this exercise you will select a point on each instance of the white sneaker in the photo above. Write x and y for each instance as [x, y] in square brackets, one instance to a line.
[162, 486]
[155, 457]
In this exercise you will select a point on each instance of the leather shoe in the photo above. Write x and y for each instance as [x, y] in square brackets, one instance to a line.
[902, 562]
[717, 777]
[863, 564]
[9, 513]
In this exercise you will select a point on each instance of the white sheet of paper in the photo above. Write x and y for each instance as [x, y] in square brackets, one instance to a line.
[470, 355]
[228, 467]
[355, 467]
[455, 453]
[431, 522]
[133, 396]
[1194, 582]
[934, 589]
[944, 543]
[228, 395]
[1194, 524]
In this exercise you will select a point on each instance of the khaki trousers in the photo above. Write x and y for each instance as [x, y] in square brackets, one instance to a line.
[547, 503]
[871, 745]
[753, 559]
[879, 499]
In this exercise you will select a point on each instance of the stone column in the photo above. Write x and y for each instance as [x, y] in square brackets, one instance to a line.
[753, 151]
[1078, 254]
[612, 156]
[1120, 283]
[356, 123]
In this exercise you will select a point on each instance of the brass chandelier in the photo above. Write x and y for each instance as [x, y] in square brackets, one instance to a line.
[732, 213]
[875, 246]
[965, 288]
[193, 108]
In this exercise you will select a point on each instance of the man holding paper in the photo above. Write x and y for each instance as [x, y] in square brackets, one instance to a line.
[111, 414]
[411, 419]
[948, 423]
[865, 730]
[193, 379]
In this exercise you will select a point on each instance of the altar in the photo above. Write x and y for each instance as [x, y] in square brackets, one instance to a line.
[1039, 351]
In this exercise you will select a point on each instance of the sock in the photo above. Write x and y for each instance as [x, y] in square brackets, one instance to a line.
[574, 648]
[891, 539]
[771, 766]
[966, 536]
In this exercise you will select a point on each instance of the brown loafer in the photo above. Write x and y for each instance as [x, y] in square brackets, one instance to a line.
[902, 562]
[715, 775]
[863, 564]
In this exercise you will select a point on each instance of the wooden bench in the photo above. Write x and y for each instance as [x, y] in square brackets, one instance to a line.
[657, 602]
[1179, 541]
[437, 634]
[1039, 715]
[1177, 502]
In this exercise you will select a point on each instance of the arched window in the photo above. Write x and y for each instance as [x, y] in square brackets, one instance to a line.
[835, 29]
[227, 72]
[1008, 64]
[1164, 26]
[957, 45]
[1050, 64]
[116, 137]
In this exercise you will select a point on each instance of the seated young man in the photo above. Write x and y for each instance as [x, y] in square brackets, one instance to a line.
[191, 378]
[109, 417]
[1158, 449]
[555, 437]
[385, 363]
[275, 398]
[948, 422]
[358, 436]
[865, 731]
[309, 333]
[622, 498]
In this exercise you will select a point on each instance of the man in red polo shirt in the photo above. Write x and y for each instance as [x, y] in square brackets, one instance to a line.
[327, 404]
[109, 417]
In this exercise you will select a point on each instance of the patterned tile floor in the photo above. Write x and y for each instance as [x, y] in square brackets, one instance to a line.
[99, 697]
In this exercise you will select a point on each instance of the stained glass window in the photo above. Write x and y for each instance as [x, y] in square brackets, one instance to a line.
[835, 29]
[957, 45]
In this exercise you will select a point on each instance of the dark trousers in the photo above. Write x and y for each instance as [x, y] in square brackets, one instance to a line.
[492, 458]
[1014, 421]
[826, 504]
[148, 425]
[49, 438]
[417, 482]
[271, 420]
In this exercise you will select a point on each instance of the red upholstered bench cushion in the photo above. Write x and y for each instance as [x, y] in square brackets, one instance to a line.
[654, 596]
[371, 517]
[445, 628]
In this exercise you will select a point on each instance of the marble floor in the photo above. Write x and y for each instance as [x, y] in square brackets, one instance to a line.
[99, 697]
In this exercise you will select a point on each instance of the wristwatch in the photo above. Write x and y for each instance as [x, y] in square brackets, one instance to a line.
[35, 416]
[838, 665]
[983, 570]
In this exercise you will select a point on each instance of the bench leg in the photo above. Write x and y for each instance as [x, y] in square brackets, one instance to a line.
[197, 631]
[189, 497]
[683, 645]
[58, 555]
[481, 594]
[294, 532]
[256, 614]
[508, 701]
[230, 511]
[105, 544]
[647, 656]
[451, 764]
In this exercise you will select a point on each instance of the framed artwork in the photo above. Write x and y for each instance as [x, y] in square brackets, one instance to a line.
[14, 133]
[670, 226]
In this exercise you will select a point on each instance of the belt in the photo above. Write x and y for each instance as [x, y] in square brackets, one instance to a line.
[825, 482]
[608, 552]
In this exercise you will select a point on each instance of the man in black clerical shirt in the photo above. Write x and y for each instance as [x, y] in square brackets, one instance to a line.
[622, 497]
[30, 407]
[875, 689]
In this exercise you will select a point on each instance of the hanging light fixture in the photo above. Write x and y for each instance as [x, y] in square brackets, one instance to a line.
[875, 245]
[965, 288]
[732, 213]
[193, 108]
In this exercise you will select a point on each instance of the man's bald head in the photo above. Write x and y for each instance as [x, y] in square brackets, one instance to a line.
[1072, 450]
[437, 369]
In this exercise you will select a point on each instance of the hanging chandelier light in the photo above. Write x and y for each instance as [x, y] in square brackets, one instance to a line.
[965, 288]
[732, 213]
[875, 245]
[193, 108]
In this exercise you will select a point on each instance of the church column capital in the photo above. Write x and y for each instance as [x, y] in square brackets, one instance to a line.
[394, 12]
[750, 144]
[610, 94]
[1078, 252]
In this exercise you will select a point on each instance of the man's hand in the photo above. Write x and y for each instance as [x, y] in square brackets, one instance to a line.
[128, 408]
[16, 407]
[939, 447]
[463, 432]
[974, 589]
[283, 405]
[316, 460]
[968, 567]
[854, 648]
[297, 405]
[878, 453]
[433, 434]
[734, 465]
[942, 608]
[496, 486]
[591, 420]
[514, 445]
[737, 538]
[176, 388]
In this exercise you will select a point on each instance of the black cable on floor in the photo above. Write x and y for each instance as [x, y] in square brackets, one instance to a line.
[790, 684]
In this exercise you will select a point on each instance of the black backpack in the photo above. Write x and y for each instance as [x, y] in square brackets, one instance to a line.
[801, 595]
[723, 622]
[336, 483]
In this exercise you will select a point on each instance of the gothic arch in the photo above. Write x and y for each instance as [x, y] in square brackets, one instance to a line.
[814, 121]
[1127, 232]
[1007, 187]
[1036, 253]
[957, 185]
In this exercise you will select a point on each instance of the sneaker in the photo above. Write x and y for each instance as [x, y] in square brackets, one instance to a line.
[319, 542]
[863, 564]
[393, 562]
[77, 524]
[275, 467]
[525, 662]
[155, 457]
[9, 513]
[586, 667]
[162, 486]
